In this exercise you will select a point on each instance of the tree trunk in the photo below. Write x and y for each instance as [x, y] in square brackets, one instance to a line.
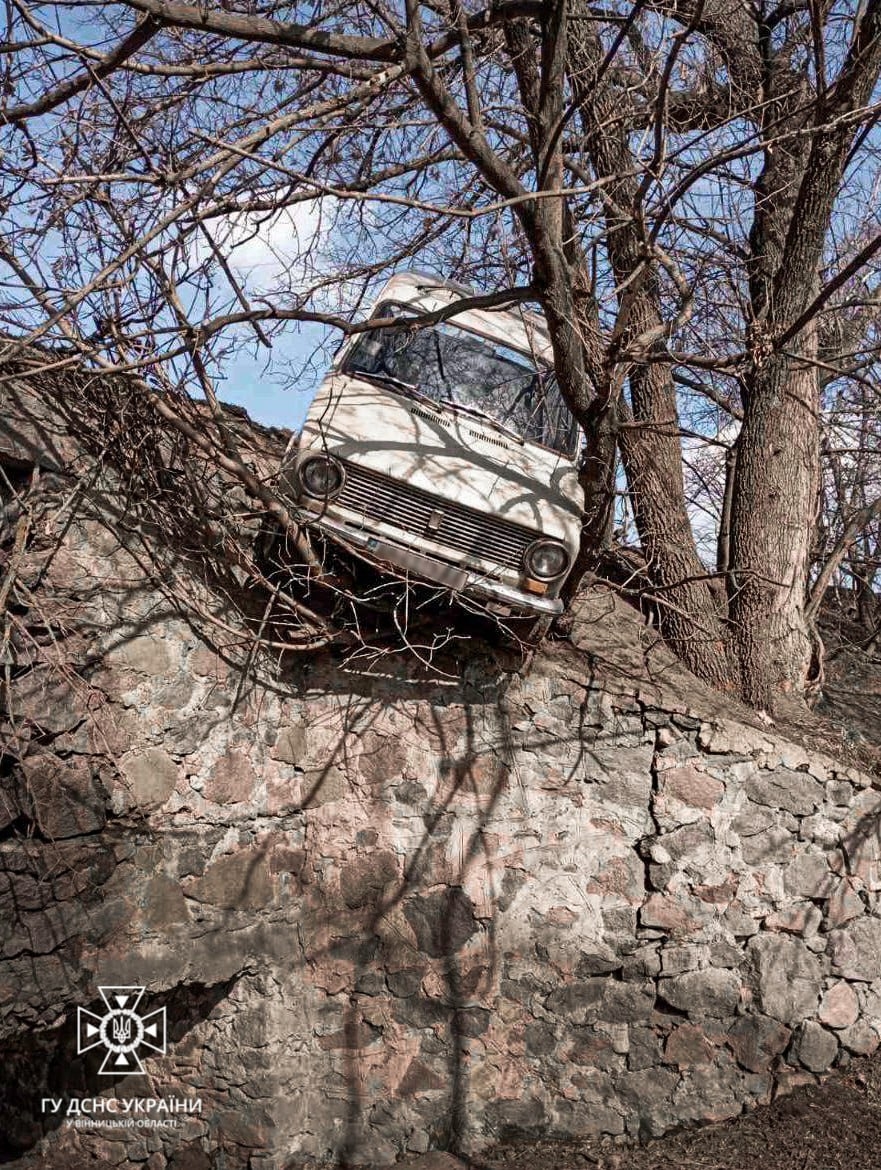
[777, 474]
[773, 510]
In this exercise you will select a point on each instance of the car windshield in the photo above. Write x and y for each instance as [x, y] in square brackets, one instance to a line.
[450, 365]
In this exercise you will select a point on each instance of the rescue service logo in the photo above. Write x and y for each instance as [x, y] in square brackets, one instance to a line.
[122, 1031]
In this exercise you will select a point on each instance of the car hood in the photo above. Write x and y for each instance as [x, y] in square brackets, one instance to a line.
[452, 455]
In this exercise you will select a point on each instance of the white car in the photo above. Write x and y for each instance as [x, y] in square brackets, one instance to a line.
[446, 453]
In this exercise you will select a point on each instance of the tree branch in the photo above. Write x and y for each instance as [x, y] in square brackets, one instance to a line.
[143, 32]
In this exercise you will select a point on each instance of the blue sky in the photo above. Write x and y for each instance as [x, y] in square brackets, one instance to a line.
[277, 258]
[276, 387]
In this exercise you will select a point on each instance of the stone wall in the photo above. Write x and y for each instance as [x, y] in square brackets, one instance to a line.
[389, 911]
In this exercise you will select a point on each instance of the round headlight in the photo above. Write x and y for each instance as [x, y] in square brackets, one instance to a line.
[320, 477]
[546, 559]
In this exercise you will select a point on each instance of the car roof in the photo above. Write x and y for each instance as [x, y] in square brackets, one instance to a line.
[509, 325]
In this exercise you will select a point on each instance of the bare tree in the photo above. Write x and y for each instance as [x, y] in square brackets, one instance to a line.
[683, 188]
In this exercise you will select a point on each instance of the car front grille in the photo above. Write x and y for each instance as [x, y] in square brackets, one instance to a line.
[443, 521]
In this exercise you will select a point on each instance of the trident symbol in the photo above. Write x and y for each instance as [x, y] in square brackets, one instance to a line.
[122, 1029]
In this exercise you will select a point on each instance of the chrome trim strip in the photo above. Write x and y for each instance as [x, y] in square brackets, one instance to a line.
[405, 558]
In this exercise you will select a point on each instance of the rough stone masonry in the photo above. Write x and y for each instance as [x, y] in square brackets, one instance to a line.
[389, 912]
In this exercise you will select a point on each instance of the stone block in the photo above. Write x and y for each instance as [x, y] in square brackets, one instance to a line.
[689, 844]
[290, 746]
[578, 1002]
[61, 795]
[714, 1092]
[757, 1040]
[625, 773]
[235, 881]
[788, 1079]
[206, 663]
[622, 875]
[585, 1118]
[283, 796]
[649, 1094]
[860, 1038]
[48, 929]
[861, 842]
[788, 978]
[419, 1011]
[815, 1047]
[150, 774]
[363, 881]
[843, 905]
[855, 949]
[164, 903]
[643, 963]
[808, 875]
[796, 792]
[324, 786]
[820, 829]
[679, 914]
[772, 847]
[149, 654]
[190, 1156]
[593, 1049]
[509, 1119]
[839, 792]
[182, 736]
[540, 1038]
[442, 921]
[644, 1049]
[487, 775]
[382, 758]
[714, 992]
[176, 694]
[231, 780]
[756, 818]
[870, 1000]
[739, 921]
[675, 960]
[627, 1003]
[692, 787]
[406, 981]
[802, 918]
[725, 954]
[419, 1078]
[687, 1046]
[601, 958]
[730, 739]
[48, 700]
[718, 893]
[839, 1007]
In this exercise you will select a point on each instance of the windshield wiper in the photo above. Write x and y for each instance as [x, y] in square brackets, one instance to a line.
[378, 376]
[475, 412]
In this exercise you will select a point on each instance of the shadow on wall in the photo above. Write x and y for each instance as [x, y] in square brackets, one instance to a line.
[443, 920]
[371, 927]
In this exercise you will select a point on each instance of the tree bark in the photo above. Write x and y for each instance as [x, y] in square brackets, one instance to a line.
[772, 525]
[777, 476]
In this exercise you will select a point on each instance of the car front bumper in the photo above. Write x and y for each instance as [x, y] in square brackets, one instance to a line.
[380, 551]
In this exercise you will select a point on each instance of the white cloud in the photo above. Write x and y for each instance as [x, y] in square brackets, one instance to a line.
[268, 252]
[303, 252]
